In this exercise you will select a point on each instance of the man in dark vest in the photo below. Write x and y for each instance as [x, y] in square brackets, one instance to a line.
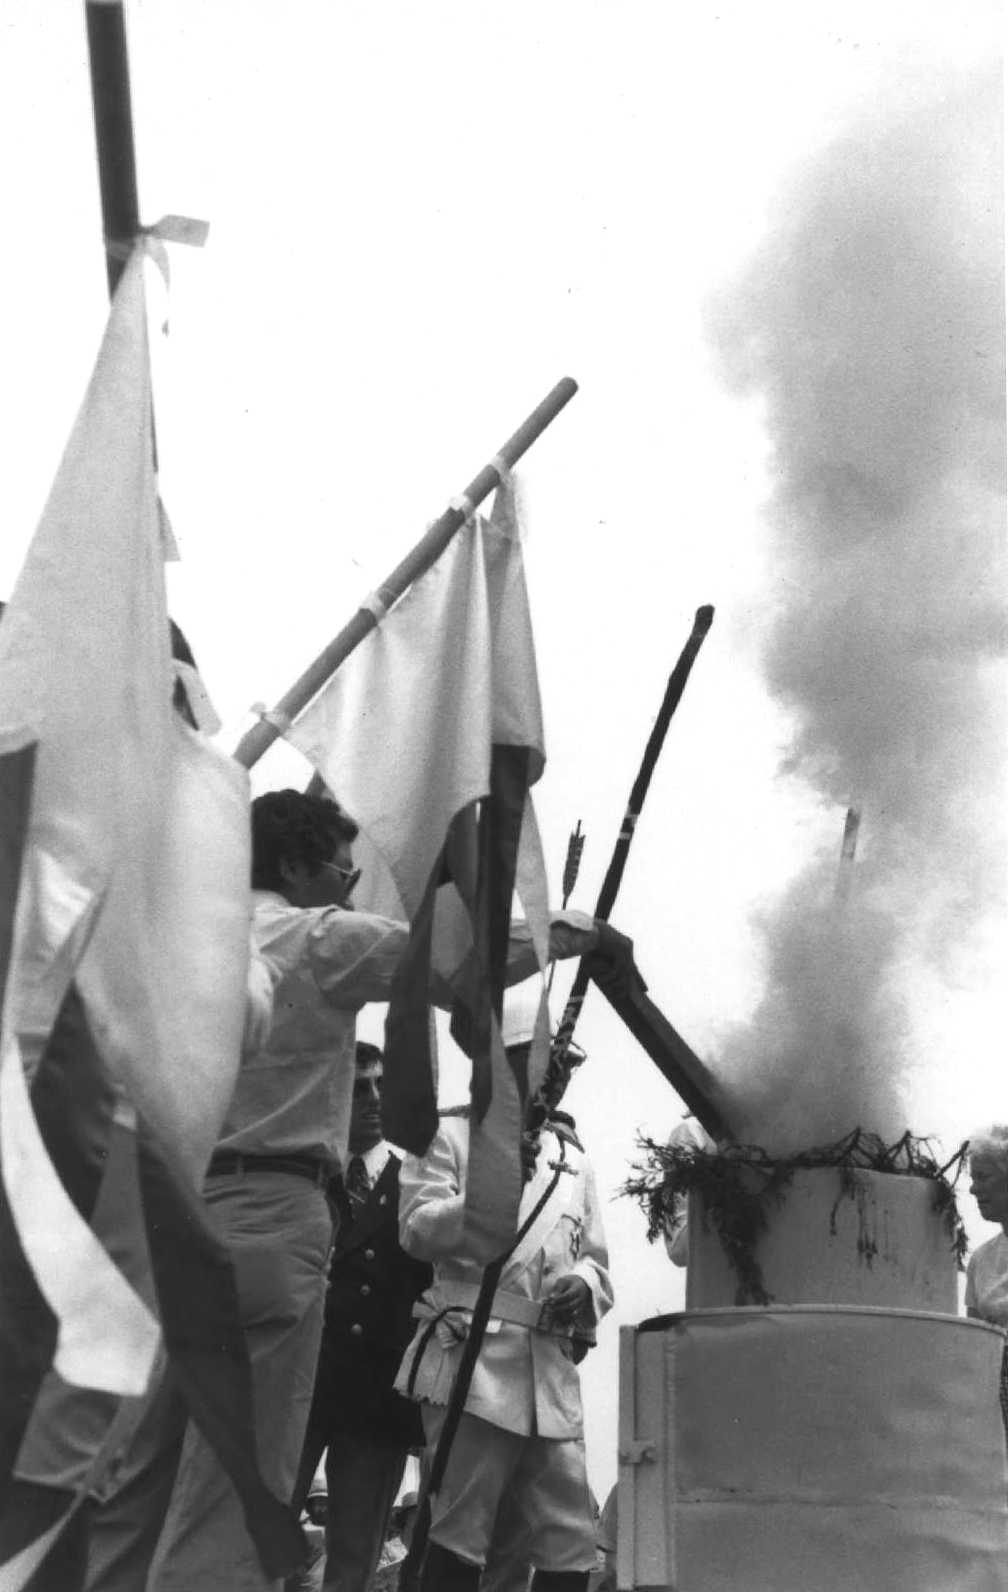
[365, 1427]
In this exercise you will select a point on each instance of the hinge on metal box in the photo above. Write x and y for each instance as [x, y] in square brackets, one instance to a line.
[636, 1453]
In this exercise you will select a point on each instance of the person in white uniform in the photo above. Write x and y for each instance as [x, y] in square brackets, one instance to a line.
[521, 1432]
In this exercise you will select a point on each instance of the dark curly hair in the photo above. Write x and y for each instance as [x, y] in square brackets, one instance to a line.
[288, 826]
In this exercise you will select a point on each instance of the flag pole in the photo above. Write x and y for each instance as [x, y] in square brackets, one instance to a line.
[113, 119]
[430, 547]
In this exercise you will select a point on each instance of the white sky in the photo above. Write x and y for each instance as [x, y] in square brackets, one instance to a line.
[421, 217]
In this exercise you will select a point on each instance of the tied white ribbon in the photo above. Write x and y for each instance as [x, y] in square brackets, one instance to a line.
[281, 722]
[375, 605]
[464, 505]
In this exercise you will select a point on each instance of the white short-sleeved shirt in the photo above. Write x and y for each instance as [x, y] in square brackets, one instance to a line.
[987, 1281]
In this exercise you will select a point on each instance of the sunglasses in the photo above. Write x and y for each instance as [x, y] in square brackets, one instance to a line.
[349, 876]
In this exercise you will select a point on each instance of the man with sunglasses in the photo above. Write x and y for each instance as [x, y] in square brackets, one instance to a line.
[284, 1139]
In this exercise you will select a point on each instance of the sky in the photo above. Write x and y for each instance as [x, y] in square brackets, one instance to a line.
[763, 241]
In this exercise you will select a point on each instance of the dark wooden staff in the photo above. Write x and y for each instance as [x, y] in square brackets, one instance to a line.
[536, 1114]
[617, 863]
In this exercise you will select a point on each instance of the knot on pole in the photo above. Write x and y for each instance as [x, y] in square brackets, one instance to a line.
[273, 716]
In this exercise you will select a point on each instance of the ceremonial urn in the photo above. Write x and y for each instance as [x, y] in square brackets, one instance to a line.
[819, 1416]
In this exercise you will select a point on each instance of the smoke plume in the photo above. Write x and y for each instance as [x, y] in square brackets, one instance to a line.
[871, 328]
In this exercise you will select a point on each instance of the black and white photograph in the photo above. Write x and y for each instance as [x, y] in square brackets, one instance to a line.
[503, 797]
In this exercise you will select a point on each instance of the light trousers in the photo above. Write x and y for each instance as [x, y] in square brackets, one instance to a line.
[543, 1479]
[278, 1230]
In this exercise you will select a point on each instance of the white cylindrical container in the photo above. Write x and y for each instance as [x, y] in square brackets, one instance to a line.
[859, 1237]
[812, 1449]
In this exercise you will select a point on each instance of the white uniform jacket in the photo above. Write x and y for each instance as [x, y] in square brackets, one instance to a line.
[525, 1379]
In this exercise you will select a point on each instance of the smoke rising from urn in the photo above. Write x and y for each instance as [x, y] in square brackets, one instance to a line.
[871, 328]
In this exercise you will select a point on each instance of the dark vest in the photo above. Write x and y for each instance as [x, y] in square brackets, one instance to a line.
[373, 1285]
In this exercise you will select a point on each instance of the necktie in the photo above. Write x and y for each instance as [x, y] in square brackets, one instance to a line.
[358, 1184]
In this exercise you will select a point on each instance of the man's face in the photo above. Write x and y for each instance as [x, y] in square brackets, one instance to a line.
[365, 1113]
[329, 884]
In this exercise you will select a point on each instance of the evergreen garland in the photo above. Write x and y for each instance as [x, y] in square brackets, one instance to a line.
[739, 1183]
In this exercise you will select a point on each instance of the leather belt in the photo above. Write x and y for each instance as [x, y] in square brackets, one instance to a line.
[516, 1309]
[224, 1162]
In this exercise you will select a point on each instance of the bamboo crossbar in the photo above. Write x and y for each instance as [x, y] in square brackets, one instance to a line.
[262, 735]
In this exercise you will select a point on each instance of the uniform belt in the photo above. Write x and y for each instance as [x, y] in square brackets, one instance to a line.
[223, 1162]
[516, 1309]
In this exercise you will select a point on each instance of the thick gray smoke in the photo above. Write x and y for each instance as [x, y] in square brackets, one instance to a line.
[871, 326]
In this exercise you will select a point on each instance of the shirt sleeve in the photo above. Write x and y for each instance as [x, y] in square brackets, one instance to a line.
[570, 934]
[432, 1201]
[354, 955]
[258, 1002]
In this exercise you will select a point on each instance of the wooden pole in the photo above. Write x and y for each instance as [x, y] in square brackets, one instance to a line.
[702, 622]
[676, 1059]
[113, 118]
[692, 1081]
[262, 735]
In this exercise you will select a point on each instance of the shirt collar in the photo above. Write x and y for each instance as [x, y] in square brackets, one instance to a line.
[376, 1159]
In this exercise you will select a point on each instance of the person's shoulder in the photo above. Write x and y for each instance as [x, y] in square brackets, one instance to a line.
[270, 903]
[993, 1250]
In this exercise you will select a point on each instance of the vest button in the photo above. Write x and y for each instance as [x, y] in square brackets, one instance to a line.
[369, 1254]
[356, 1331]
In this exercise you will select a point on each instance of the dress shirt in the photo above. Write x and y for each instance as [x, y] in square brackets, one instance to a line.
[293, 1096]
[376, 1159]
[373, 1163]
